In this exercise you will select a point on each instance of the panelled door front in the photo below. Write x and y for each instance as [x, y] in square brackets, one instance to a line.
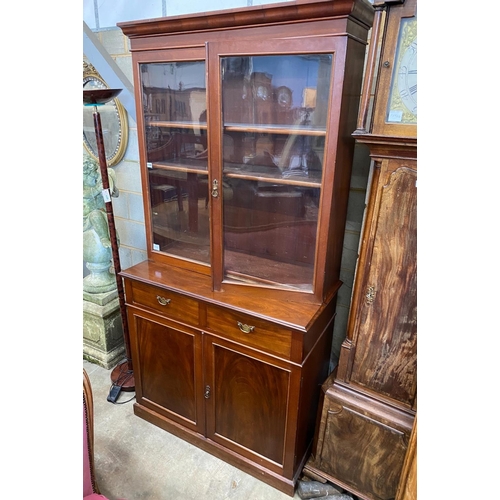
[249, 403]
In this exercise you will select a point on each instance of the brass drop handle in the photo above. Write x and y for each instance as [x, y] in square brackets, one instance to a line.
[245, 328]
[215, 188]
[207, 392]
[162, 300]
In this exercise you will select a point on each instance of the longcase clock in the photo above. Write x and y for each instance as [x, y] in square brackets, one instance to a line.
[370, 401]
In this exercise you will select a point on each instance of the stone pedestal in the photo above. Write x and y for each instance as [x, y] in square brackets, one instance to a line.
[102, 329]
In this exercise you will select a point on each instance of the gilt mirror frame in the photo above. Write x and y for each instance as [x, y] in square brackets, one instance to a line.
[113, 121]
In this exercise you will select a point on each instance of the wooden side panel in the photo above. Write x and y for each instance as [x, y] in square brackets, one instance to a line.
[386, 342]
[407, 489]
[314, 372]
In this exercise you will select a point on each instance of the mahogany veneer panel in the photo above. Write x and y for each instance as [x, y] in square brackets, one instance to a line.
[251, 406]
[386, 342]
[361, 443]
[170, 381]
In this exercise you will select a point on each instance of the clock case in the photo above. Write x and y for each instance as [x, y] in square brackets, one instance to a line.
[369, 402]
[380, 79]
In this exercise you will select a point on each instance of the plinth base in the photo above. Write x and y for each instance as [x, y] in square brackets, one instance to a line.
[123, 376]
[102, 329]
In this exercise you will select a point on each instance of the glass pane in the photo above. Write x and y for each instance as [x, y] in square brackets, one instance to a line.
[402, 104]
[177, 147]
[174, 91]
[175, 120]
[278, 157]
[175, 112]
[180, 214]
[274, 129]
[270, 233]
[280, 90]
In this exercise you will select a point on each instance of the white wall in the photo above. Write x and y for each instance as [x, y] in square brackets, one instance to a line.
[104, 15]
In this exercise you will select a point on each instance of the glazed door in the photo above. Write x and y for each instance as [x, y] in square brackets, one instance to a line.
[175, 152]
[273, 128]
[167, 363]
[250, 407]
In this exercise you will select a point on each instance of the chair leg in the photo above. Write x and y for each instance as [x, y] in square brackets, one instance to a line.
[88, 409]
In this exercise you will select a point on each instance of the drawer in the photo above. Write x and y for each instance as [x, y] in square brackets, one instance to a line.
[249, 330]
[170, 304]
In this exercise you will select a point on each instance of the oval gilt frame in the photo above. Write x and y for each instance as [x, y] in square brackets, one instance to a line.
[113, 121]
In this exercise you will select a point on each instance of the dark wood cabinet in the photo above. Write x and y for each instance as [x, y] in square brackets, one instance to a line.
[370, 401]
[233, 374]
[245, 121]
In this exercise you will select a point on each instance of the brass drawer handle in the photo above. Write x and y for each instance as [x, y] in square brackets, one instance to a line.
[245, 328]
[162, 300]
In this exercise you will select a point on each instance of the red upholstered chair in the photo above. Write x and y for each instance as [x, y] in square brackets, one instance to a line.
[90, 489]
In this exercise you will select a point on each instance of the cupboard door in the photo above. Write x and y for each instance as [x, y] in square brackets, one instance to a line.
[385, 358]
[248, 404]
[168, 362]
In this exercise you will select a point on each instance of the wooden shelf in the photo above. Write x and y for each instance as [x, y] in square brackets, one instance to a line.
[182, 165]
[275, 129]
[274, 178]
[183, 125]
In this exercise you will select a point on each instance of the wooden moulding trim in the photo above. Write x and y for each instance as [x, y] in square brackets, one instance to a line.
[375, 139]
[250, 16]
[370, 407]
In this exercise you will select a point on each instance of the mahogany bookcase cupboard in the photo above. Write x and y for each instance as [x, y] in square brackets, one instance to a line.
[366, 440]
[245, 122]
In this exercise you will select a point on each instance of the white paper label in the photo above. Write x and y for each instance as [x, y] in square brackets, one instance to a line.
[106, 196]
[156, 246]
[395, 116]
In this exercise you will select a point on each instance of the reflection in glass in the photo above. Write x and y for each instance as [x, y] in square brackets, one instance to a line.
[178, 147]
[279, 90]
[180, 214]
[175, 112]
[274, 156]
[274, 130]
[175, 121]
[270, 233]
